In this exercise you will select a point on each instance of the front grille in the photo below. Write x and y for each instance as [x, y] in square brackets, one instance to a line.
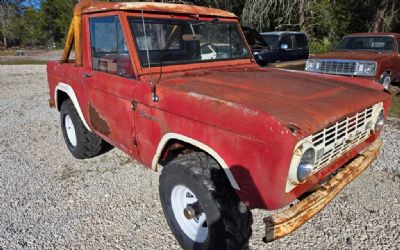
[336, 140]
[338, 67]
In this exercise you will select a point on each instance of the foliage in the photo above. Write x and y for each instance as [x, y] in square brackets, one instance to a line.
[57, 15]
[395, 109]
[325, 21]
[318, 46]
[28, 28]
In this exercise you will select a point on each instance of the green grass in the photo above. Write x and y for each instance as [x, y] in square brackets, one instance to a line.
[7, 53]
[23, 62]
[395, 110]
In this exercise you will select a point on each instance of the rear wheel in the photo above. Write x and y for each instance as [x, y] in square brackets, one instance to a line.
[201, 207]
[81, 142]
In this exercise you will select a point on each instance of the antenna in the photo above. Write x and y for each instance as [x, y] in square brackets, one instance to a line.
[154, 96]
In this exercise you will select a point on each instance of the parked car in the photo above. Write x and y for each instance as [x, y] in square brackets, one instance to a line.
[229, 135]
[285, 46]
[374, 56]
[279, 46]
[257, 44]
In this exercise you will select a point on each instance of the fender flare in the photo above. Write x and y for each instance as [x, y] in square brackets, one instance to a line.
[67, 89]
[169, 136]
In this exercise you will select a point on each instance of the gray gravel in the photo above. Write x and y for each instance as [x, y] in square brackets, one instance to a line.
[48, 199]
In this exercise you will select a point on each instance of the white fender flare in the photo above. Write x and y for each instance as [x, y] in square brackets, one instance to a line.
[66, 88]
[169, 136]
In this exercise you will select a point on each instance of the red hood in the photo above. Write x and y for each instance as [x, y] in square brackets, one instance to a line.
[308, 101]
[352, 55]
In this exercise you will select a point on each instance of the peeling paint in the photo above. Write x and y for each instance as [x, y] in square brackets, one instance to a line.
[98, 122]
[144, 115]
[227, 103]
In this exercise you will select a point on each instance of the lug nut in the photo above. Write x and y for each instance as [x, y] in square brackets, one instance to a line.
[189, 212]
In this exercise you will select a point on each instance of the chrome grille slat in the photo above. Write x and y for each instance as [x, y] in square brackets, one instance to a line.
[338, 67]
[339, 138]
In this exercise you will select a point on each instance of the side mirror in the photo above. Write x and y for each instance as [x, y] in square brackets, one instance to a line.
[284, 46]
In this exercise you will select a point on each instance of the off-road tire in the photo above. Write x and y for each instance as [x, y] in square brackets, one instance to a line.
[88, 144]
[229, 221]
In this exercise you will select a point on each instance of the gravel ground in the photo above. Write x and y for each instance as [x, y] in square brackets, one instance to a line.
[48, 199]
[35, 54]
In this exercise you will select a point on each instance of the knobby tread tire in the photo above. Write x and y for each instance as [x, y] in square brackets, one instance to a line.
[89, 144]
[234, 230]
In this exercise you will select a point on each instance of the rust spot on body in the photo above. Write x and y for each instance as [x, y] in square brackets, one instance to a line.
[98, 122]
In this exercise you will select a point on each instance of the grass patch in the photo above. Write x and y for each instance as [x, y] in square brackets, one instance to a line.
[23, 62]
[7, 53]
[395, 109]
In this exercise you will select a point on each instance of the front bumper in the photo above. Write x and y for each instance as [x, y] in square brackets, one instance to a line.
[287, 221]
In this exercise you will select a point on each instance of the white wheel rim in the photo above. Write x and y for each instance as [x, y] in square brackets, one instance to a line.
[196, 228]
[70, 128]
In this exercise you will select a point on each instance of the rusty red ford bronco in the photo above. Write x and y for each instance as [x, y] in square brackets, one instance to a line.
[374, 56]
[176, 88]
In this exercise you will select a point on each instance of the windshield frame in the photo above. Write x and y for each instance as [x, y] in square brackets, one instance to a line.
[366, 36]
[189, 64]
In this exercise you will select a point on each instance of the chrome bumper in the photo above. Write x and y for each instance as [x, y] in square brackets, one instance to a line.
[287, 221]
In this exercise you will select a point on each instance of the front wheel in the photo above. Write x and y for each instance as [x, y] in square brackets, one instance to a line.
[201, 207]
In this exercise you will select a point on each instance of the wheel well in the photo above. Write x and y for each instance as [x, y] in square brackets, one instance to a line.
[175, 148]
[61, 97]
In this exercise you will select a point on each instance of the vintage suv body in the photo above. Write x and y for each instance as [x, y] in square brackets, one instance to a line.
[374, 56]
[229, 135]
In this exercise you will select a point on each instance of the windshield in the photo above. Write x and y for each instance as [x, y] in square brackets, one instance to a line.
[177, 41]
[377, 43]
[271, 40]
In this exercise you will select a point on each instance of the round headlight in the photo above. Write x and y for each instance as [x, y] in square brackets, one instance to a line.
[369, 68]
[306, 165]
[312, 64]
[380, 121]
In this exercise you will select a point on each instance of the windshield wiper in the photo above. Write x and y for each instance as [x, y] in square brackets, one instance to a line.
[372, 50]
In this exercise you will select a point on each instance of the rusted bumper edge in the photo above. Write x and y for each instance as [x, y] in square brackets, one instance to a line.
[52, 104]
[287, 221]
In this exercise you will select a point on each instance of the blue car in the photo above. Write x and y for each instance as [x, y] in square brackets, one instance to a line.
[278, 46]
[284, 46]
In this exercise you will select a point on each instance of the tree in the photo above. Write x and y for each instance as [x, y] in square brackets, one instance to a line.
[384, 16]
[264, 15]
[57, 15]
[10, 12]
[28, 27]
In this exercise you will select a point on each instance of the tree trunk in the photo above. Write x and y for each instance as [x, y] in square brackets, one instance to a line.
[3, 15]
[380, 15]
[302, 16]
[4, 34]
